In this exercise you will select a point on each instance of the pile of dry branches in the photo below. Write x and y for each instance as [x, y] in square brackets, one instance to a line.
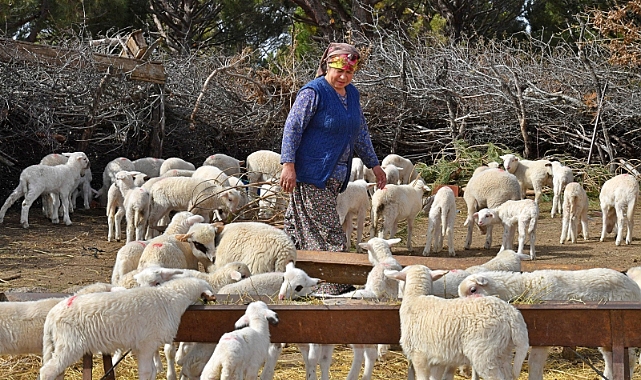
[419, 97]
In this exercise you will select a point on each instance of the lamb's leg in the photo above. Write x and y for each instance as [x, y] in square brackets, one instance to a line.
[470, 228]
[64, 199]
[371, 354]
[28, 200]
[604, 220]
[55, 208]
[438, 239]
[146, 366]
[360, 223]
[607, 359]
[620, 223]
[270, 364]
[565, 230]
[325, 360]
[488, 237]
[522, 235]
[357, 362]
[310, 354]
[584, 225]
[170, 356]
[629, 214]
[428, 237]
[532, 244]
[536, 362]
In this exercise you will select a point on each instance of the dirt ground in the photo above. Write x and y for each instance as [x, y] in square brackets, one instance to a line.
[53, 258]
[57, 257]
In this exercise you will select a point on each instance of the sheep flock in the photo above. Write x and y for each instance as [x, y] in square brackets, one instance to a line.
[193, 231]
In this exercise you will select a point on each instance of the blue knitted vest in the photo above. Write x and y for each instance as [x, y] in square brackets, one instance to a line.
[328, 133]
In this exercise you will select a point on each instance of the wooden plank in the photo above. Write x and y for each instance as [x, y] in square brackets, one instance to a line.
[135, 69]
[352, 268]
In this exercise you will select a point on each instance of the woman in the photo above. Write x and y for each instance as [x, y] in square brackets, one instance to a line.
[324, 129]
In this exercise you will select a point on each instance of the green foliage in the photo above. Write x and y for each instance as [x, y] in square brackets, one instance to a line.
[457, 171]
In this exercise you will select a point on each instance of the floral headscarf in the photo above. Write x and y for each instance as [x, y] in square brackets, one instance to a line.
[340, 56]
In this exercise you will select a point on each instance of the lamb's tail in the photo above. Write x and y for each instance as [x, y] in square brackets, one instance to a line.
[521, 343]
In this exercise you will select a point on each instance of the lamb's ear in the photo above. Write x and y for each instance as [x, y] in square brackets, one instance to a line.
[271, 317]
[480, 280]
[219, 226]
[290, 265]
[183, 237]
[393, 241]
[436, 274]
[475, 216]
[241, 163]
[66, 154]
[236, 275]
[167, 273]
[242, 322]
[399, 169]
[365, 246]
[395, 274]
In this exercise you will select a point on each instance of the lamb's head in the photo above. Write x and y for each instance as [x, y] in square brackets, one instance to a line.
[378, 248]
[230, 199]
[296, 283]
[420, 185]
[475, 285]
[418, 278]
[78, 160]
[510, 162]
[202, 239]
[237, 270]
[182, 222]
[257, 310]
[484, 218]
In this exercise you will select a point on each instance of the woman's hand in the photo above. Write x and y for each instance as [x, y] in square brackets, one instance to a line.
[288, 177]
[381, 178]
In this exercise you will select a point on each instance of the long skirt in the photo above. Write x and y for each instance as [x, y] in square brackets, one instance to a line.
[312, 222]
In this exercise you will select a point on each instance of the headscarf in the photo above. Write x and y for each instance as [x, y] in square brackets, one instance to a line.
[338, 55]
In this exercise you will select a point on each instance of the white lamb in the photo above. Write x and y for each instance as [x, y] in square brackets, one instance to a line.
[127, 259]
[392, 174]
[618, 199]
[228, 164]
[488, 188]
[149, 165]
[154, 276]
[152, 315]
[191, 194]
[353, 203]
[38, 179]
[438, 334]
[440, 221]
[264, 248]
[263, 166]
[175, 163]
[506, 260]
[575, 209]
[531, 174]
[84, 185]
[291, 284]
[598, 284]
[178, 173]
[183, 251]
[109, 175]
[211, 173]
[241, 353]
[394, 204]
[358, 169]
[272, 200]
[407, 173]
[377, 286]
[561, 176]
[522, 215]
[124, 181]
[22, 324]
[490, 165]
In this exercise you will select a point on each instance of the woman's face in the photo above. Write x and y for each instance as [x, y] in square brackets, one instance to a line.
[339, 78]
